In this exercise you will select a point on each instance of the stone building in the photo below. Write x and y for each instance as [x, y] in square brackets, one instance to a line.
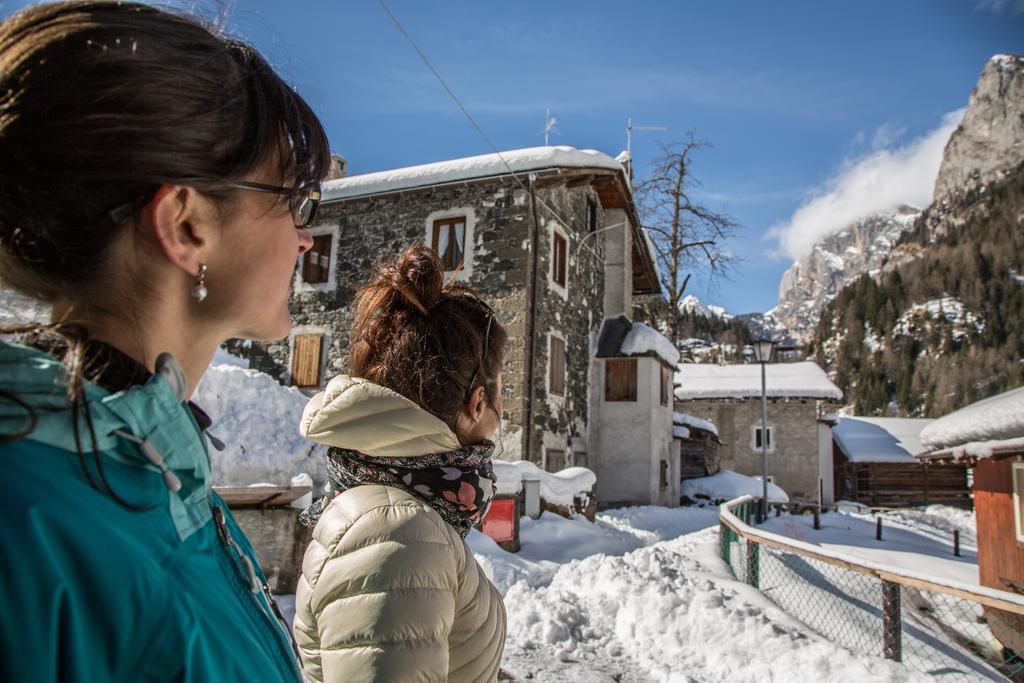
[799, 441]
[547, 236]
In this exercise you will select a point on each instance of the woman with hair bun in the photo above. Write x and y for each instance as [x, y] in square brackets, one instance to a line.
[389, 589]
[156, 185]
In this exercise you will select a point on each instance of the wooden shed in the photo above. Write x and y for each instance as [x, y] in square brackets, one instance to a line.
[988, 436]
[874, 464]
[698, 446]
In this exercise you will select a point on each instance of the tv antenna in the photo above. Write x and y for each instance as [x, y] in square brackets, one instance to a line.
[629, 134]
[549, 124]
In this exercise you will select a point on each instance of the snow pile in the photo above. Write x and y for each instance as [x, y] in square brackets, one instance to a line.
[980, 429]
[694, 422]
[257, 419]
[483, 166]
[559, 488]
[680, 432]
[949, 309]
[880, 439]
[784, 380]
[644, 340]
[642, 595]
[727, 485]
[509, 478]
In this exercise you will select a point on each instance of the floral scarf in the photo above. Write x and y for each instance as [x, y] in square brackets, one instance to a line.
[458, 484]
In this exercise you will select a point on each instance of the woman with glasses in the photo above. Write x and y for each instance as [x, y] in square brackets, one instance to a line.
[156, 185]
[389, 589]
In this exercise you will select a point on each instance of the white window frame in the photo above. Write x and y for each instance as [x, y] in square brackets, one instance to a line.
[559, 289]
[1017, 474]
[303, 287]
[469, 248]
[325, 347]
[772, 434]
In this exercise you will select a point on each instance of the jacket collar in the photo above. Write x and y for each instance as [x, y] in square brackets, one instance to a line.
[358, 415]
[149, 411]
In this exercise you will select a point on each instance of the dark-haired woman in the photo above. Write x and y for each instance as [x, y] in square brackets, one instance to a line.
[389, 589]
[155, 185]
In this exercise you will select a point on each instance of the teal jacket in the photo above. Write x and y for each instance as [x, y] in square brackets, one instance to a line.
[96, 592]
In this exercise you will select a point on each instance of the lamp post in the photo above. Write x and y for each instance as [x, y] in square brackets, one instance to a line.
[763, 354]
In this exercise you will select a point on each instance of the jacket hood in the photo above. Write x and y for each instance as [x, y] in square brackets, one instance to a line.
[356, 414]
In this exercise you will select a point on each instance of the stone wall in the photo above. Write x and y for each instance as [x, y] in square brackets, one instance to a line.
[500, 230]
[794, 461]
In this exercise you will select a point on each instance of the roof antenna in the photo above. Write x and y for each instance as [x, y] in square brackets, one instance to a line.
[629, 134]
[549, 124]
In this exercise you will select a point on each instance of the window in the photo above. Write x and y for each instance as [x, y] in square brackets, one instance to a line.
[620, 379]
[316, 263]
[556, 366]
[558, 249]
[666, 384]
[554, 460]
[306, 360]
[1018, 499]
[756, 443]
[450, 241]
[591, 215]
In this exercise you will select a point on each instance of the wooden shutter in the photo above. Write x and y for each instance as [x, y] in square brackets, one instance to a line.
[556, 366]
[620, 379]
[306, 360]
[558, 260]
[666, 383]
[316, 264]
[555, 460]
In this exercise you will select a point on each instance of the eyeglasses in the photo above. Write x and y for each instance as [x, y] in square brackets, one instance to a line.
[483, 359]
[303, 202]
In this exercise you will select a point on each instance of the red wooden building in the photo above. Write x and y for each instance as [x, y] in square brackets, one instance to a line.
[988, 436]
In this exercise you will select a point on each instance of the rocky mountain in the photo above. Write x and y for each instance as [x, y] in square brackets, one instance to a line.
[835, 262]
[941, 322]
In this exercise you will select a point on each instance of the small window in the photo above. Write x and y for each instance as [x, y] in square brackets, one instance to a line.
[1018, 499]
[558, 250]
[620, 379]
[450, 241]
[556, 366]
[757, 439]
[666, 384]
[306, 360]
[554, 460]
[591, 215]
[316, 263]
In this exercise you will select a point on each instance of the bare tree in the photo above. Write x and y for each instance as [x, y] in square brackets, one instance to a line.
[688, 237]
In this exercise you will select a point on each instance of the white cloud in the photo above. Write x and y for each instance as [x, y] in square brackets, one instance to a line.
[880, 181]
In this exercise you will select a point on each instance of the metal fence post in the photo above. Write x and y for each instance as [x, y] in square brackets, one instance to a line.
[753, 568]
[892, 628]
[878, 529]
[956, 542]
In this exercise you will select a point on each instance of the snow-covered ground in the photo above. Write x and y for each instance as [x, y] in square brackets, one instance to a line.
[642, 595]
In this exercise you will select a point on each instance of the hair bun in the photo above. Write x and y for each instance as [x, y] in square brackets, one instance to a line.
[419, 276]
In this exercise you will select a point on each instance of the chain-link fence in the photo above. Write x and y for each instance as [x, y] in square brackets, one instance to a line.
[948, 634]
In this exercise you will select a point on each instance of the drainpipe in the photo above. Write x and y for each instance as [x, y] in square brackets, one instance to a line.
[531, 323]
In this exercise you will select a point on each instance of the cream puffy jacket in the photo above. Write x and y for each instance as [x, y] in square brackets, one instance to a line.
[389, 591]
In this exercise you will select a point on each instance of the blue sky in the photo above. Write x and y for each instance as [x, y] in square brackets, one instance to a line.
[791, 94]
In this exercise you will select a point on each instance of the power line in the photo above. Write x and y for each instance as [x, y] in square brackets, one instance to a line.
[479, 129]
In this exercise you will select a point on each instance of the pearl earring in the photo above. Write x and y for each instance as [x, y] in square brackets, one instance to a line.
[199, 291]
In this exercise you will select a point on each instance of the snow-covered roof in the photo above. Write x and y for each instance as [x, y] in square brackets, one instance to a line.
[880, 439]
[643, 340]
[482, 166]
[694, 423]
[979, 430]
[783, 380]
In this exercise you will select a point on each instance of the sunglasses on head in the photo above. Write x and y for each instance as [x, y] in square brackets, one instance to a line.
[489, 313]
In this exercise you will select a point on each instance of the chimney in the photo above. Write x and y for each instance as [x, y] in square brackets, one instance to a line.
[338, 167]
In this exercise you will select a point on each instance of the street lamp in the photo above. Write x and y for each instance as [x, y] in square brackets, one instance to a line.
[763, 354]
